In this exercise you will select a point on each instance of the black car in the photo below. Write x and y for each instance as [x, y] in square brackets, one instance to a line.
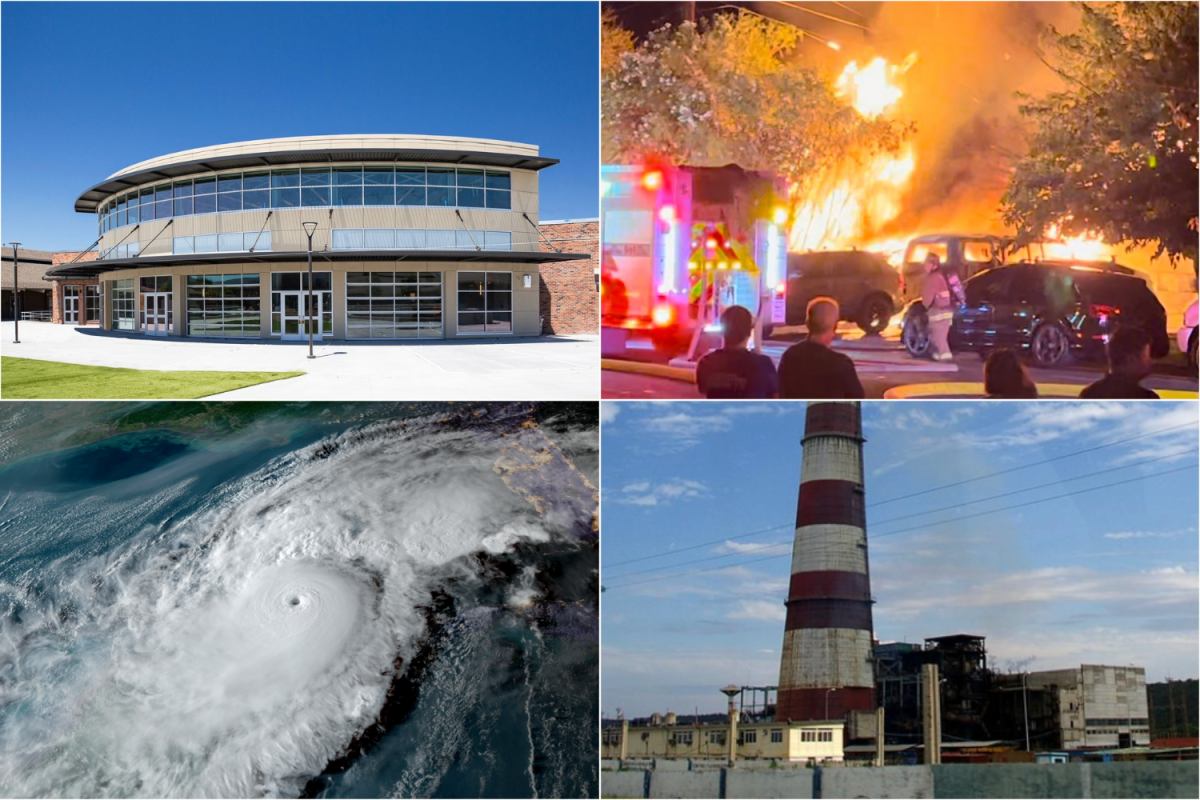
[1053, 311]
[865, 286]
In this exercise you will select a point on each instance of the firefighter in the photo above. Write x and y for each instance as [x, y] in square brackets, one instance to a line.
[939, 307]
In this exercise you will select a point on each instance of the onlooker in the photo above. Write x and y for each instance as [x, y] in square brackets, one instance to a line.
[1005, 377]
[733, 372]
[811, 370]
[939, 308]
[1128, 365]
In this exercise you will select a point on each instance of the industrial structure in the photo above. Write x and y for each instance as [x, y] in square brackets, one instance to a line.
[826, 669]
[668, 736]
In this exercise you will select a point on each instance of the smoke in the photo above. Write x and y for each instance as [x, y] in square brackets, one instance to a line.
[972, 60]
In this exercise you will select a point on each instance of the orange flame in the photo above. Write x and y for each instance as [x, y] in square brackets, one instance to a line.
[854, 197]
[1087, 246]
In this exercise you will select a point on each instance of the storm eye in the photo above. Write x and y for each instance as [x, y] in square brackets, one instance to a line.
[295, 601]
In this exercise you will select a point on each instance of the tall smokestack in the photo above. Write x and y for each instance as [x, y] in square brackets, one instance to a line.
[826, 669]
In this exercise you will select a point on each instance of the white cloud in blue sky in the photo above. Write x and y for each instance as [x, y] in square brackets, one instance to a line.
[1106, 576]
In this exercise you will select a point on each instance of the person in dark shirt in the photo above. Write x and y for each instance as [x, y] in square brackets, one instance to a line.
[1128, 365]
[733, 372]
[1005, 377]
[811, 370]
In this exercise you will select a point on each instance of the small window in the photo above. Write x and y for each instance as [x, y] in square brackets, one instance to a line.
[776, 736]
[347, 176]
[379, 195]
[436, 176]
[256, 180]
[498, 180]
[183, 189]
[162, 192]
[315, 176]
[377, 176]
[229, 183]
[410, 176]
[347, 239]
[470, 198]
[347, 195]
[471, 178]
[750, 737]
[285, 178]
[206, 186]
[315, 196]
[205, 203]
[716, 737]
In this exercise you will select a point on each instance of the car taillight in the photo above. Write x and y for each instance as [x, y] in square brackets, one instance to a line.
[1103, 312]
[663, 315]
[780, 289]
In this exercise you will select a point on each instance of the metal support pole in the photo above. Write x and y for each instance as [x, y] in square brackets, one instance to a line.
[16, 246]
[879, 737]
[1025, 705]
[309, 227]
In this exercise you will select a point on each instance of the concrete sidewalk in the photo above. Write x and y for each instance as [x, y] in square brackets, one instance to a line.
[545, 368]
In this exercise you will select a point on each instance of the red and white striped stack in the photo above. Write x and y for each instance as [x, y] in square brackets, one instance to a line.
[826, 670]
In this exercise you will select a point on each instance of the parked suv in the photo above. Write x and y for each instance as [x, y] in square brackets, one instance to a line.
[1054, 310]
[865, 286]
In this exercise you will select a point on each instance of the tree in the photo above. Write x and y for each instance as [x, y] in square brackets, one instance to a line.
[731, 93]
[615, 42]
[1115, 152]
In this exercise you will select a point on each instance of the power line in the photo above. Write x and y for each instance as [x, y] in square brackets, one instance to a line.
[904, 497]
[919, 527]
[756, 548]
[825, 16]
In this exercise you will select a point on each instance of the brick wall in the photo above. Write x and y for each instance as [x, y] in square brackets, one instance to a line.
[56, 305]
[570, 302]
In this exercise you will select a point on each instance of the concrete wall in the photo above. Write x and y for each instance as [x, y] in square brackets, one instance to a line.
[1145, 779]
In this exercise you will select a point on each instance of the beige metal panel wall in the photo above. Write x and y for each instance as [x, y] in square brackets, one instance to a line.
[812, 551]
[820, 658]
[831, 458]
[527, 202]
[156, 238]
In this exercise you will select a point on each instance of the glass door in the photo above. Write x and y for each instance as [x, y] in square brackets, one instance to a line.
[157, 312]
[71, 305]
[297, 315]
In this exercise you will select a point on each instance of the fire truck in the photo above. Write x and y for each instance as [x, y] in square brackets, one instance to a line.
[679, 245]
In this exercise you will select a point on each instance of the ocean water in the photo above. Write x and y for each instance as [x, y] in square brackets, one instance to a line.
[342, 601]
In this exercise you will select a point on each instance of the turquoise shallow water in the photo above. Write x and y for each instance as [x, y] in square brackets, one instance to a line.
[298, 602]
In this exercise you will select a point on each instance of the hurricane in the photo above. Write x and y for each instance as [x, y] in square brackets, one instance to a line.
[403, 606]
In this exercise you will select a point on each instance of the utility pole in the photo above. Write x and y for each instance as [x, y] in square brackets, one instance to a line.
[689, 11]
[1025, 706]
[624, 737]
[931, 713]
[731, 692]
[879, 736]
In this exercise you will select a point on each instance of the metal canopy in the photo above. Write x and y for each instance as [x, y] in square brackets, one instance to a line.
[90, 200]
[90, 269]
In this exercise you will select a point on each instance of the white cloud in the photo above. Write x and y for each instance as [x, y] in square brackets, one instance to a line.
[609, 411]
[1142, 535]
[758, 610]
[645, 493]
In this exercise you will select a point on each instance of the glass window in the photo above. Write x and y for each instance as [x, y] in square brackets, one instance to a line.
[229, 183]
[347, 176]
[410, 195]
[285, 198]
[260, 242]
[437, 176]
[162, 209]
[147, 195]
[133, 214]
[183, 189]
[392, 310]
[256, 199]
[256, 180]
[377, 176]
[347, 196]
[314, 196]
[204, 204]
[347, 239]
[358, 277]
[230, 201]
[440, 196]
[183, 244]
[122, 217]
[410, 176]
[499, 281]
[379, 196]
[498, 199]
[183, 206]
[206, 186]
[285, 281]
[206, 243]
[470, 198]
[410, 239]
[472, 178]
[237, 314]
[380, 238]
[498, 180]
[163, 282]
[146, 212]
[497, 240]
[123, 302]
[162, 191]
[463, 240]
[285, 178]
[121, 205]
[440, 240]
[315, 176]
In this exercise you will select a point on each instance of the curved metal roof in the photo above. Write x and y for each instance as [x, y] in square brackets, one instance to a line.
[90, 269]
[269, 153]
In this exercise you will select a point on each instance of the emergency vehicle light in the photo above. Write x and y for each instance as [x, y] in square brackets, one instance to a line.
[667, 213]
[780, 215]
[652, 180]
[663, 315]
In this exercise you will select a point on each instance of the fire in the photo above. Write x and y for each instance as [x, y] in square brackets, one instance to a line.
[849, 200]
[1087, 246]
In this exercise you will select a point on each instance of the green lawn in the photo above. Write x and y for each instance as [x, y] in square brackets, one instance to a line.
[27, 379]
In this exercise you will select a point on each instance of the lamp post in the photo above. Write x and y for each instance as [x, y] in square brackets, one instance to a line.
[1025, 705]
[827, 691]
[309, 228]
[16, 246]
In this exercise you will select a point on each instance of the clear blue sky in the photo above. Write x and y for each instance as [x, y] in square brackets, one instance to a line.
[90, 88]
[1106, 577]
